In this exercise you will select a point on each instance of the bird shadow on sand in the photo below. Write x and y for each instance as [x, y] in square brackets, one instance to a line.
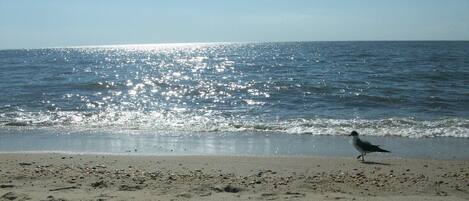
[374, 163]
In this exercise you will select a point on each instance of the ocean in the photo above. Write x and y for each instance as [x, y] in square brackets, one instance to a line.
[405, 89]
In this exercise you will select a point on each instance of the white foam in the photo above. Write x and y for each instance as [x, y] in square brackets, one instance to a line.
[211, 122]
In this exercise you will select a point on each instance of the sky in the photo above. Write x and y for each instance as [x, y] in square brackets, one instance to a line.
[62, 23]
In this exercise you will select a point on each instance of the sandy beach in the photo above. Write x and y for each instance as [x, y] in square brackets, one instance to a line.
[48, 176]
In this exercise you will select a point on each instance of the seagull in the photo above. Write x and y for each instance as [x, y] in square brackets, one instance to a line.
[364, 147]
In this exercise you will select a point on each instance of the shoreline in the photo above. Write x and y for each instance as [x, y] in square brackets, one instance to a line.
[244, 144]
[54, 176]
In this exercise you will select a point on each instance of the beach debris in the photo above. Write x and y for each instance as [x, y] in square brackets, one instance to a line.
[205, 194]
[14, 196]
[218, 188]
[129, 187]
[63, 188]
[98, 166]
[228, 188]
[52, 198]
[232, 189]
[296, 194]
[270, 196]
[442, 193]
[99, 184]
[104, 196]
[9, 196]
[7, 185]
[172, 177]
[24, 164]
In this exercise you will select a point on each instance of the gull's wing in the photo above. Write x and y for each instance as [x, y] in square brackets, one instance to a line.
[366, 146]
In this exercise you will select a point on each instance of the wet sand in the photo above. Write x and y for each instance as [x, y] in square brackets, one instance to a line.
[47, 176]
[259, 144]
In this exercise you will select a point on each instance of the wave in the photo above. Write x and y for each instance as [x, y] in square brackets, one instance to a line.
[179, 121]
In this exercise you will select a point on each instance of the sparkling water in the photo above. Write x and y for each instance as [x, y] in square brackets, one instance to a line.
[411, 89]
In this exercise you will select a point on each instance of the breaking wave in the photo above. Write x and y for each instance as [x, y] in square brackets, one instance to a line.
[179, 122]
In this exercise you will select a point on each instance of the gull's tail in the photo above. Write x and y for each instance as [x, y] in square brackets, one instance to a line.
[382, 150]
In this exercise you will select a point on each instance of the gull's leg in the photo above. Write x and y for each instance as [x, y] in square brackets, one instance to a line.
[363, 157]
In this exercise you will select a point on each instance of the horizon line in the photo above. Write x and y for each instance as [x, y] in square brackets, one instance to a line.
[221, 42]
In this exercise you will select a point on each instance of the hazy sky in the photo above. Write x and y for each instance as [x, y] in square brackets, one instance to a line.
[57, 23]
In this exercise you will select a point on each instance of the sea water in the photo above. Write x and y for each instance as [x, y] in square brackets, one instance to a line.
[406, 89]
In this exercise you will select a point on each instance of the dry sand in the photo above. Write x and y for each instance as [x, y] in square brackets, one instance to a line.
[28, 176]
